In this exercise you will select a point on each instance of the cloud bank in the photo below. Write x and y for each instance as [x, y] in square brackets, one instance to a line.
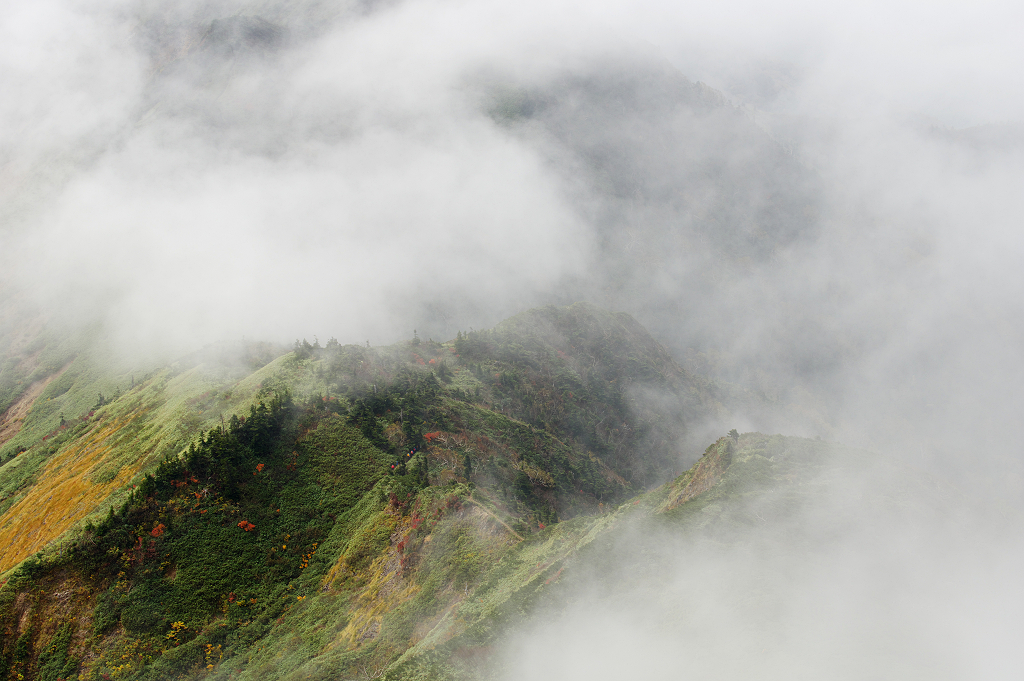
[840, 231]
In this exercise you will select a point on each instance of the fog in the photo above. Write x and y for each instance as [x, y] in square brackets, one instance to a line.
[881, 598]
[832, 219]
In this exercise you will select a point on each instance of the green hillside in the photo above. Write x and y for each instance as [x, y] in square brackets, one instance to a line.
[345, 511]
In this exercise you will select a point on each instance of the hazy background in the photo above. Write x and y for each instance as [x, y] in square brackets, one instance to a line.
[838, 218]
[833, 220]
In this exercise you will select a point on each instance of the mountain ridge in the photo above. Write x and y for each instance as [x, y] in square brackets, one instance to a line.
[486, 441]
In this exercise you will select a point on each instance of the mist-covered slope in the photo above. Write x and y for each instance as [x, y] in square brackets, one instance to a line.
[194, 508]
[355, 169]
[824, 241]
[681, 180]
[319, 564]
[416, 511]
[771, 556]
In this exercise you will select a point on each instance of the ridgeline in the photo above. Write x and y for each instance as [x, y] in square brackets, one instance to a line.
[342, 511]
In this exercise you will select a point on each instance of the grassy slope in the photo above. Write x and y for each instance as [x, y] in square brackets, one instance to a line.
[425, 591]
[543, 419]
[65, 473]
[723, 499]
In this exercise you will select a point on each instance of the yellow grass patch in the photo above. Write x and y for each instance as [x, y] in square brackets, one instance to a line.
[386, 590]
[62, 495]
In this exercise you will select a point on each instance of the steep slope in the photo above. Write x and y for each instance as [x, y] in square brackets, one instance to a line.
[383, 493]
[283, 547]
[304, 541]
[94, 429]
[778, 503]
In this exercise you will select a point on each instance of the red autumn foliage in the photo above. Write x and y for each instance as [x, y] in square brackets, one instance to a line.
[259, 468]
[247, 526]
[430, 437]
[158, 530]
[397, 503]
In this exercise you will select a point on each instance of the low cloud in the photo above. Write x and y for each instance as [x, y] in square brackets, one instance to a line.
[836, 230]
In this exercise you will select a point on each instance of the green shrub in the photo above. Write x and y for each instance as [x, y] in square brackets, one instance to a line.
[54, 661]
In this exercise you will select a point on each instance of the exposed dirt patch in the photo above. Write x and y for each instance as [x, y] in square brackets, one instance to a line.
[59, 599]
[22, 610]
[11, 420]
